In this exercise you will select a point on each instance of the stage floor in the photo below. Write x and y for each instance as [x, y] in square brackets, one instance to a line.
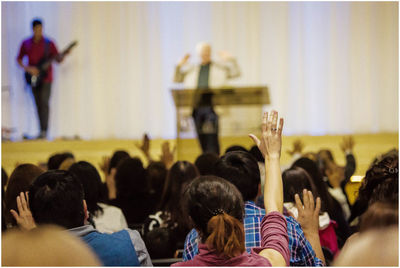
[367, 146]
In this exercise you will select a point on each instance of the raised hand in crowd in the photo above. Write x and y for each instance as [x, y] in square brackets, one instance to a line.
[167, 155]
[145, 146]
[23, 217]
[347, 144]
[270, 144]
[110, 181]
[298, 146]
[308, 218]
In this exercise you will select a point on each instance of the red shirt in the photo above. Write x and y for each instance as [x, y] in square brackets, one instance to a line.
[35, 52]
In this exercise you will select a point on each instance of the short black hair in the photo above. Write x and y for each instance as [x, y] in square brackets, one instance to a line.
[56, 197]
[205, 163]
[233, 148]
[90, 179]
[117, 158]
[56, 160]
[241, 169]
[36, 21]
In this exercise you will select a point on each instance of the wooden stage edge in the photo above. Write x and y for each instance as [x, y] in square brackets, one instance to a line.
[367, 146]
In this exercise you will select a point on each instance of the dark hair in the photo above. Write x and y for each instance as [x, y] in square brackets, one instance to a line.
[91, 182]
[380, 184]
[241, 169]
[159, 243]
[254, 151]
[294, 180]
[327, 202]
[56, 197]
[56, 160]
[20, 180]
[179, 176]
[116, 158]
[130, 179]
[380, 215]
[36, 21]
[156, 177]
[216, 208]
[233, 148]
[205, 163]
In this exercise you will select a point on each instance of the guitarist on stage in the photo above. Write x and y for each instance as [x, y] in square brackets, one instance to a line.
[38, 49]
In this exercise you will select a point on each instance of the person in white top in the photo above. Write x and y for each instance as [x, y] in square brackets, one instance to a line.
[105, 218]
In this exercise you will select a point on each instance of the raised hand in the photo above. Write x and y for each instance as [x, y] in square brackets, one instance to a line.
[298, 146]
[145, 146]
[308, 218]
[110, 181]
[270, 142]
[167, 155]
[184, 60]
[23, 217]
[347, 144]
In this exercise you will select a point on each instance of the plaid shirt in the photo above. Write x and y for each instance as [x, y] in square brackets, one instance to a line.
[301, 252]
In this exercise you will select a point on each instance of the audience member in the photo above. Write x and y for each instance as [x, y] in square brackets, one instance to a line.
[156, 177]
[129, 191]
[328, 202]
[20, 180]
[205, 163]
[105, 218]
[57, 197]
[170, 214]
[233, 148]
[241, 169]
[57, 159]
[295, 180]
[45, 246]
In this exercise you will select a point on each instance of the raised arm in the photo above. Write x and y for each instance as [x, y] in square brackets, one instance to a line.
[275, 239]
[179, 75]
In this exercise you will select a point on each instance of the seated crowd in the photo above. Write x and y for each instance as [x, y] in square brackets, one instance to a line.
[238, 209]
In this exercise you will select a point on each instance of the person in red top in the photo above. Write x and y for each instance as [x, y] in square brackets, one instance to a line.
[39, 48]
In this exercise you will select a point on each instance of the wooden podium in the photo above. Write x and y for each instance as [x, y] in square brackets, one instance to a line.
[228, 96]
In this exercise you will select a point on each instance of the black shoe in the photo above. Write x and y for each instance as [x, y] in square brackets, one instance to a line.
[42, 135]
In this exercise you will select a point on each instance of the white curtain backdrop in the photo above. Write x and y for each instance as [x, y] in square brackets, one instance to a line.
[331, 67]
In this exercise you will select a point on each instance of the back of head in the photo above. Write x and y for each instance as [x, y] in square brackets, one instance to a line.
[45, 246]
[380, 184]
[90, 179]
[179, 176]
[254, 151]
[380, 215]
[116, 158]
[56, 160]
[240, 169]
[56, 197]
[20, 181]
[130, 179]
[159, 243]
[233, 148]
[295, 180]
[205, 163]
[156, 176]
[377, 247]
[216, 208]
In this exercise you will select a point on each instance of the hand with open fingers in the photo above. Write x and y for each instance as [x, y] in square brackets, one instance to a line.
[347, 144]
[270, 142]
[308, 216]
[23, 217]
[167, 155]
[298, 146]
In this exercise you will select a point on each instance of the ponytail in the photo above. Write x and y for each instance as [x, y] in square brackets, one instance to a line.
[226, 235]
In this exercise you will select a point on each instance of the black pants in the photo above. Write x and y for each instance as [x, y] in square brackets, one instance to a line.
[206, 121]
[42, 96]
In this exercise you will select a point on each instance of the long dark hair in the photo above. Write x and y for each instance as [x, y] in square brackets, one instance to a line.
[216, 208]
[296, 179]
[178, 177]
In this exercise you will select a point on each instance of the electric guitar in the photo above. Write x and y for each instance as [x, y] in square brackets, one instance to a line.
[43, 66]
